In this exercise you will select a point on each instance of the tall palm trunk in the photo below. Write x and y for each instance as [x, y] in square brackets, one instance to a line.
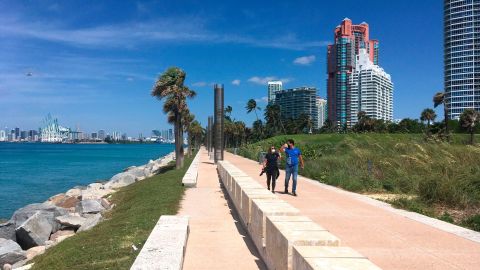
[178, 141]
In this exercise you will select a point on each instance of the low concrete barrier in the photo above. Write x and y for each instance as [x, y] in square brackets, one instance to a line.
[165, 247]
[285, 239]
[190, 177]
[317, 257]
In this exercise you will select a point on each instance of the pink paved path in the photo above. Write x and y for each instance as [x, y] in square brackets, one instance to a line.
[216, 239]
[388, 239]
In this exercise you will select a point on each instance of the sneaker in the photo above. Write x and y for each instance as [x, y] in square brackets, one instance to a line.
[286, 190]
[294, 193]
[273, 191]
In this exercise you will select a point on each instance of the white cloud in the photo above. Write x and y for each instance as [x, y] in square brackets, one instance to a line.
[262, 100]
[236, 82]
[304, 60]
[265, 80]
[131, 34]
[199, 84]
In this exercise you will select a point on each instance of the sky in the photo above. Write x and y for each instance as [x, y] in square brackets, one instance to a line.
[93, 63]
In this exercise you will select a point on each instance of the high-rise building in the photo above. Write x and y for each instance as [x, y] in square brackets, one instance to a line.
[101, 134]
[322, 111]
[461, 56]
[273, 88]
[371, 90]
[341, 64]
[3, 135]
[170, 135]
[297, 101]
[17, 133]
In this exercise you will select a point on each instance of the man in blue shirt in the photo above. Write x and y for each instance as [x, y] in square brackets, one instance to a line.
[293, 157]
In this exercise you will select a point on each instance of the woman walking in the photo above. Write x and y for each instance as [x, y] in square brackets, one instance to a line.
[270, 166]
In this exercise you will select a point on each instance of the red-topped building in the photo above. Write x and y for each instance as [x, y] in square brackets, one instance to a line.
[341, 57]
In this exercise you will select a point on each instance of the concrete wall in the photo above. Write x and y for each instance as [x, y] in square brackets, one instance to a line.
[190, 177]
[285, 239]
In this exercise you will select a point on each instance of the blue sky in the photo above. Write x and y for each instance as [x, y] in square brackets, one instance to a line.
[93, 63]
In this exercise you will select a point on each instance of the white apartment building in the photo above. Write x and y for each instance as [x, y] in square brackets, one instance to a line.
[273, 88]
[322, 111]
[371, 90]
[3, 135]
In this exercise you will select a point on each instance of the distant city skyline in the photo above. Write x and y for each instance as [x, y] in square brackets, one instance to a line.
[94, 66]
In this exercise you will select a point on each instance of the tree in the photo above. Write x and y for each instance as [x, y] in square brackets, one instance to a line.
[304, 123]
[273, 118]
[428, 115]
[252, 106]
[170, 87]
[187, 121]
[469, 120]
[440, 98]
[196, 132]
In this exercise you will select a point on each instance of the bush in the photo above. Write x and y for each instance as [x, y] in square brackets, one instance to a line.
[472, 222]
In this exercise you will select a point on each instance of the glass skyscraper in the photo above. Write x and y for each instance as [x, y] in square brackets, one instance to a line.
[462, 56]
[297, 101]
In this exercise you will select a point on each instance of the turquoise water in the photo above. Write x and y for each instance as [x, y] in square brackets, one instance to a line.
[33, 172]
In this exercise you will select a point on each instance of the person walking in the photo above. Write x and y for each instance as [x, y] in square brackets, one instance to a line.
[270, 166]
[293, 158]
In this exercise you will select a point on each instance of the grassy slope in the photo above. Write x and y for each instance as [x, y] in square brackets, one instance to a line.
[437, 173]
[109, 244]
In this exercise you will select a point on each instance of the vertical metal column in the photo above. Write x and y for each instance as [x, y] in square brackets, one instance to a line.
[218, 122]
[208, 135]
[210, 119]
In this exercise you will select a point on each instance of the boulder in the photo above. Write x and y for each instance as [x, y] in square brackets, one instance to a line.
[34, 231]
[25, 267]
[69, 202]
[120, 180]
[47, 209]
[89, 207]
[71, 221]
[34, 251]
[138, 173]
[10, 252]
[61, 234]
[74, 192]
[91, 221]
[57, 198]
[7, 230]
[95, 191]
[105, 203]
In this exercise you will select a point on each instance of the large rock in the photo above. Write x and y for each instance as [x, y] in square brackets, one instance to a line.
[95, 191]
[61, 235]
[68, 202]
[34, 251]
[35, 230]
[91, 221]
[120, 180]
[90, 207]
[138, 173]
[49, 210]
[71, 221]
[74, 192]
[7, 230]
[57, 198]
[10, 252]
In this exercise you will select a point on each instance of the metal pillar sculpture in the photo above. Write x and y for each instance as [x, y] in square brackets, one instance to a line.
[218, 122]
[210, 135]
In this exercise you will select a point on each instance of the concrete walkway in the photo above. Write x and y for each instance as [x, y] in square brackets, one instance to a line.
[387, 238]
[216, 240]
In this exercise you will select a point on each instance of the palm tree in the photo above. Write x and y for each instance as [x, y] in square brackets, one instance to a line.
[196, 132]
[429, 116]
[273, 117]
[469, 120]
[170, 86]
[252, 106]
[187, 121]
[228, 110]
[440, 98]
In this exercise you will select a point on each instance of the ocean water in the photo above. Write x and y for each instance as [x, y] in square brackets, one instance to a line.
[33, 172]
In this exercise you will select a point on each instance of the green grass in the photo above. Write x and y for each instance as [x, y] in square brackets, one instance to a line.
[436, 173]
[109, 244]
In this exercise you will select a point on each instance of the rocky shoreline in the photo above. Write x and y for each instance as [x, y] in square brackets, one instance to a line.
[36, 227]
